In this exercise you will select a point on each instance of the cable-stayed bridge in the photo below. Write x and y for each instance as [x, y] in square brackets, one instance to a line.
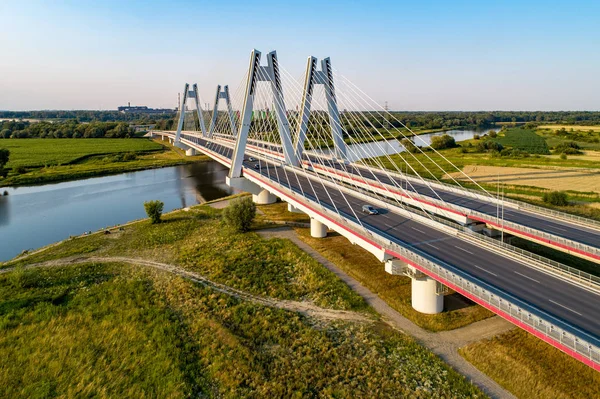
[320, 147]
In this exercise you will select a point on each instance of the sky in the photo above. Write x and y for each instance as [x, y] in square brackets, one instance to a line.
[416, 55]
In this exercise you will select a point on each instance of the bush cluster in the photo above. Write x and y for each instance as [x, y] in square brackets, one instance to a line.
[239, 214]
[558, 198]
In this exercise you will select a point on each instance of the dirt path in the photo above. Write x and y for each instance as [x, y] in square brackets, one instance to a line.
[444, 344]
[305, 308]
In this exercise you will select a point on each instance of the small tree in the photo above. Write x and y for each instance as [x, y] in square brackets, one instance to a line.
[558, 198]
[239, 214]
[154, 210]
[409, 145]
[442, 142]
[493, 134]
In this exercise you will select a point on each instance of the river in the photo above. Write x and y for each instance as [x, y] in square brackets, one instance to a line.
[31, 217]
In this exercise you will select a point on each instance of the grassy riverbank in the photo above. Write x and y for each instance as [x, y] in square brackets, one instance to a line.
[123, 325]
[530, 368]
[38, 161]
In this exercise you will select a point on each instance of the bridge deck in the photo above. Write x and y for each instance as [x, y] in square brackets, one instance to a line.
[562, 300]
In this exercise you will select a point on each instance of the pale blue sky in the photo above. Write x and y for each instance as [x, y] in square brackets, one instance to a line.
[426, 55]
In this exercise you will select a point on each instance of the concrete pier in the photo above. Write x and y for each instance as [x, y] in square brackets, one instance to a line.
[263, 198]
[425, 298]
[317, 229]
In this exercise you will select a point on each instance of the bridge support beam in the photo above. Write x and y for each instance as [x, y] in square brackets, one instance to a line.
[293, 209]
[264, 197]
[317, 229]
[190, 152]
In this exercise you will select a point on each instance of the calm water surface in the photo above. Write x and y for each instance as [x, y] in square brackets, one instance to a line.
[31, 217]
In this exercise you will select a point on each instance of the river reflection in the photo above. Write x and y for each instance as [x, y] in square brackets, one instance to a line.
[31, 217]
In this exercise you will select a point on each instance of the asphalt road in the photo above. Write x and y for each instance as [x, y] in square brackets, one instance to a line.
[573, 305]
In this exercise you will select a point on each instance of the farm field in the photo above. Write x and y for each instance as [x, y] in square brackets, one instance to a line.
[224, 316]
[552, 179]
[595, 128]
[524, 140]
[32, 153]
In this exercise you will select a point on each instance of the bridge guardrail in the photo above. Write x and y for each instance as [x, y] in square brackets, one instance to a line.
[501, 224]
[536, 319]
[519, 204]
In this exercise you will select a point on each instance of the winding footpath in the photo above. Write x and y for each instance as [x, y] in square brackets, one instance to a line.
[444, 344]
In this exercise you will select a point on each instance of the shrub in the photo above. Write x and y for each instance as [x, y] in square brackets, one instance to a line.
[442, 142]
[563, 156]
[476, 137]
[130, 156]
[489, 145]
[239, 214]
[558, 198]
[409, 145]
[568, 147]
[154, 210]
[20, 170]
[493, 134]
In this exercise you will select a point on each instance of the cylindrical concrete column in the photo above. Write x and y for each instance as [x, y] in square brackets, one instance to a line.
[292, 208]
[263, 198]
[190, 152]
[317, 229]
[424, 297]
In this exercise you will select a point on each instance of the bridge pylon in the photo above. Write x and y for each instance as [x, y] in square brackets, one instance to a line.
[222, 94]
[187, 93]
[258, 73]
[324, 77]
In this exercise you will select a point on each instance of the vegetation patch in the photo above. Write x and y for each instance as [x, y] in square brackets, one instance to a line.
[524, 140]
[530, 368]
[112, 329]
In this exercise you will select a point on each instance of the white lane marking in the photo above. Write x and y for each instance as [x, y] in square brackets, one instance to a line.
[487, 271]
[464, 250]
[563, 306]
[433, 246]
[557, 228]
[532, 279]
[420, 231]
[389, 225]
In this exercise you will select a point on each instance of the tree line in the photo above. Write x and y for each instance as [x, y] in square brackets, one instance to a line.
[87, 116]
[68, 129]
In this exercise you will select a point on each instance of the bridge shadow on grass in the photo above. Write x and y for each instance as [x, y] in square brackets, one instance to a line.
[456, 301]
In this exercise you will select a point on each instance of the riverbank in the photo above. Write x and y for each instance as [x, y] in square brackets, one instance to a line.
[41, 161]
[224, 314]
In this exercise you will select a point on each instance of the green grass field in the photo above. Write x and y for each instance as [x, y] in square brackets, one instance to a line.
[35, 153]
[115, 330]
[524, 140]
[55, 160]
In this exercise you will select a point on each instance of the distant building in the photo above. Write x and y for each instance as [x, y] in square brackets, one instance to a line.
[142, 109]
